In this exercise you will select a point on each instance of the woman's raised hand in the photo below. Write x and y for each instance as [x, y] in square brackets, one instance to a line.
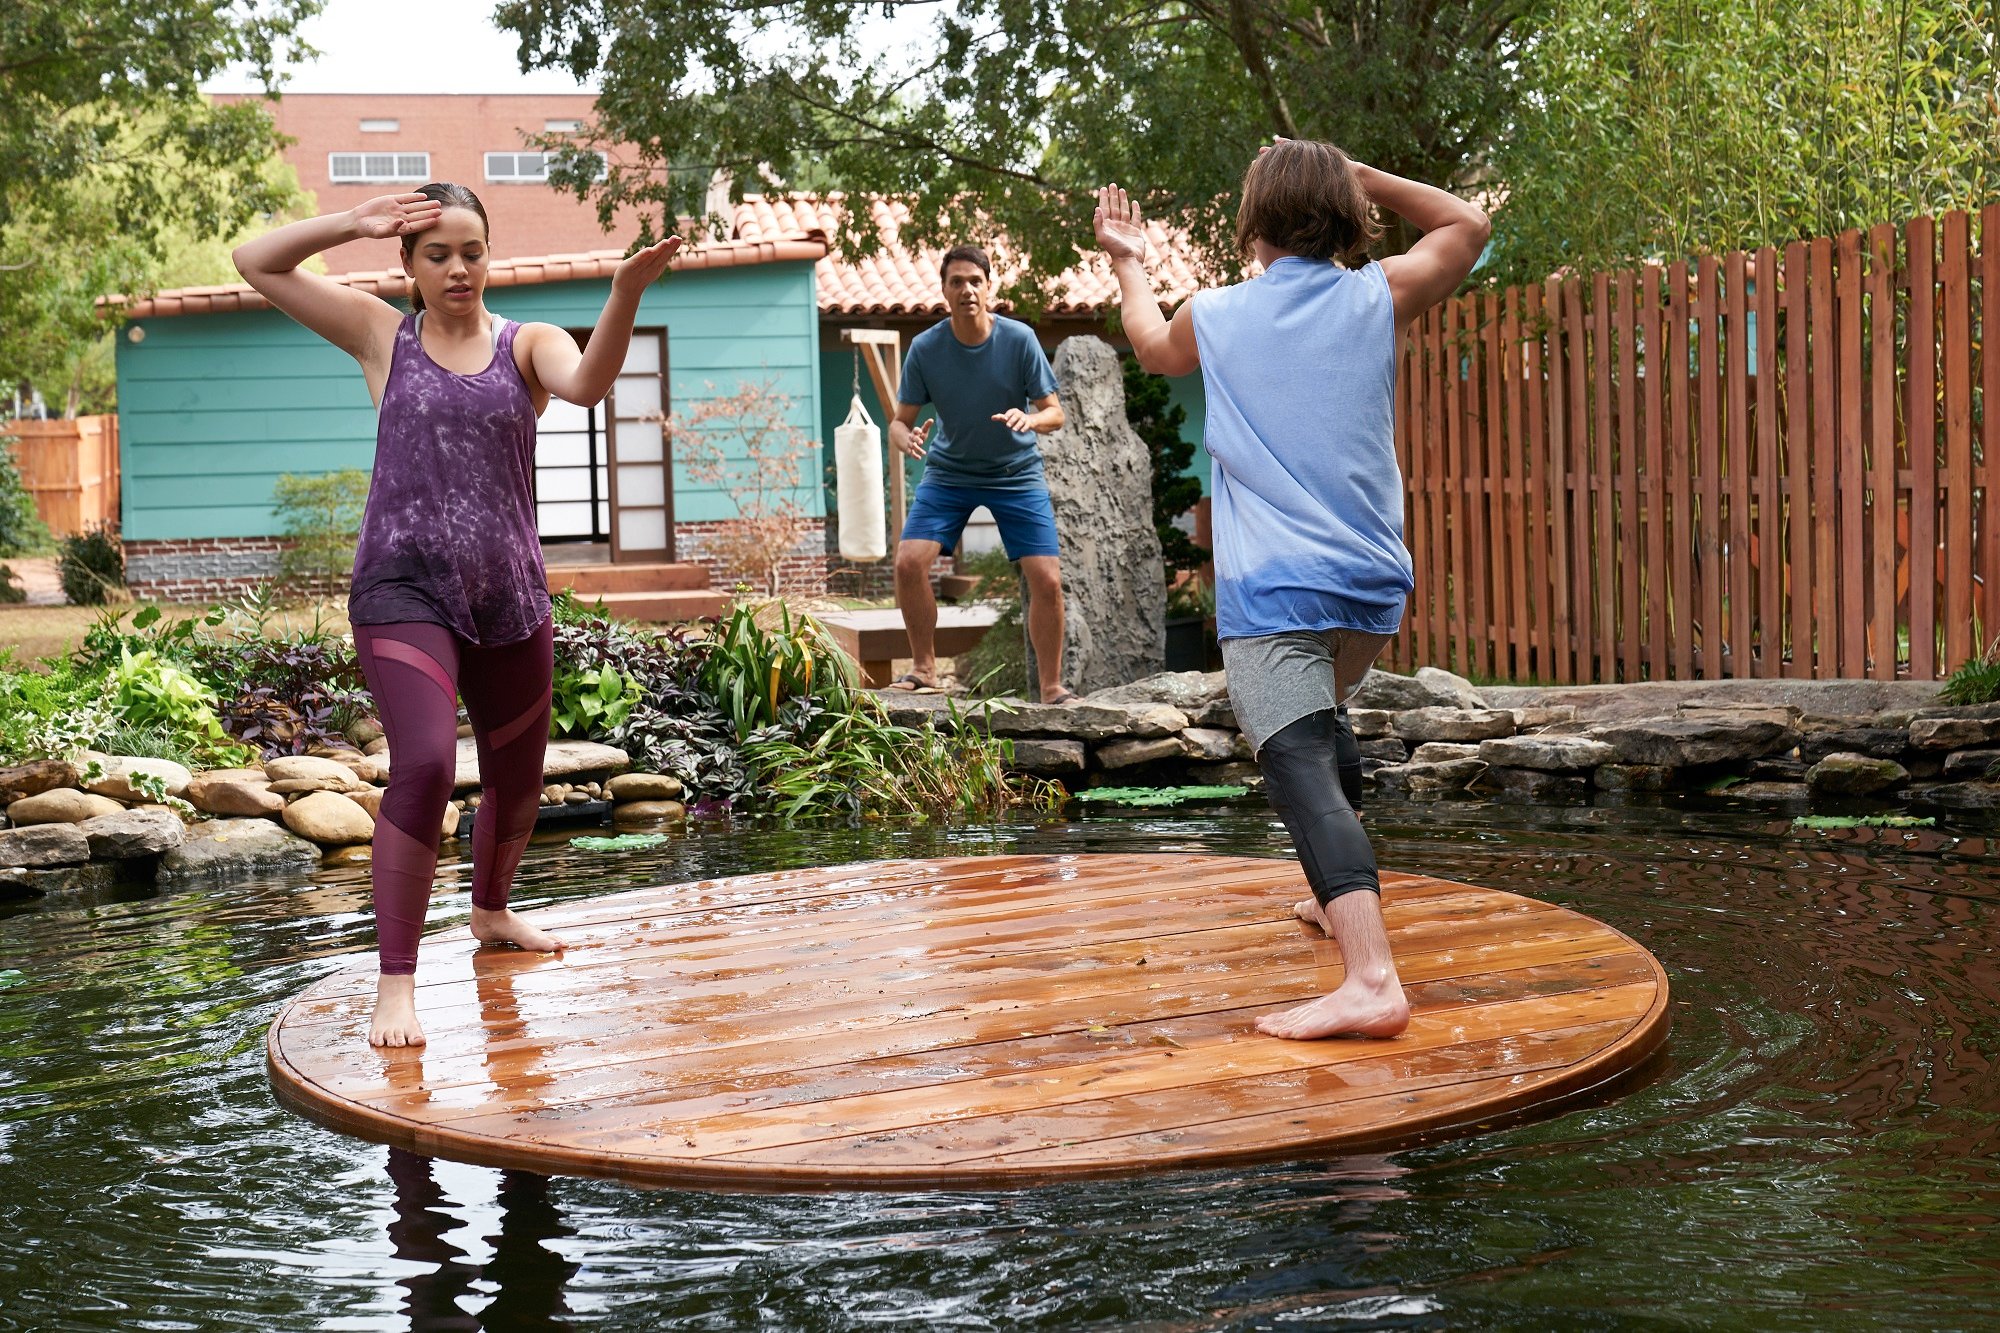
[643, 268]
[1120, 232]
[395, 215]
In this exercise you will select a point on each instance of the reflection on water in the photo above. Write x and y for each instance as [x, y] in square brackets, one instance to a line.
[1817, 1148]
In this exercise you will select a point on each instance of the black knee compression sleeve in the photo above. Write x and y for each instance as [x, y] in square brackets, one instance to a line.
[1302, 781]
[1347, 753]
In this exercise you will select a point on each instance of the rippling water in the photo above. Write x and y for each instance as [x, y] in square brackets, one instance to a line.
[1817, 1149]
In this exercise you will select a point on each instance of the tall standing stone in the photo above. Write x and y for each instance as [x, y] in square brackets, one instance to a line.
[1101, 480]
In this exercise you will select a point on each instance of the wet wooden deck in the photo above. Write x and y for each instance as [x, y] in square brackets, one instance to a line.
[978, 1020]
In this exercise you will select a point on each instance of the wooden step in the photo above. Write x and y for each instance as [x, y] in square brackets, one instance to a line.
[659, 607]
[588, 580]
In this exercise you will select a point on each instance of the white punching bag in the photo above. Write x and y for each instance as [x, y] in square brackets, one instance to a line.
[857, 455]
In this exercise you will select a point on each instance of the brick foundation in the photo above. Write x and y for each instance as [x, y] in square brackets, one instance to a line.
[201, 569]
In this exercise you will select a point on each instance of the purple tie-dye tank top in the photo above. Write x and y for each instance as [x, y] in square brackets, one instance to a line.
[449, 533]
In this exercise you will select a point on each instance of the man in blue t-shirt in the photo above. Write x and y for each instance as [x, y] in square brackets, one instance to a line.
[994, 392]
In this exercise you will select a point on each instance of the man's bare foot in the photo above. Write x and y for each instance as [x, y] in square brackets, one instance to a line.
[1358, 1009]
[1309, 912]
[507, 926]
[394, 1022]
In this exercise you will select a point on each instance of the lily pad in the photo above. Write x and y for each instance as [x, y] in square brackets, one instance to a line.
[1863, 821]
[624, 842]
[11, 977]
[1159, 795]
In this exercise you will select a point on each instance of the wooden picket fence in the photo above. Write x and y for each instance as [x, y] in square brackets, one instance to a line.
[1812, 494]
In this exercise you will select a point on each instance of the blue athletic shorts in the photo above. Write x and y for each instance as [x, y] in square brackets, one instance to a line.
[1026, 519]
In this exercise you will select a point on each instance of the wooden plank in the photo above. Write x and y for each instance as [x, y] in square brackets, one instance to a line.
[1708, 457]
[1958, 554]
[1568, 660]
[1536, 451]
[1883, 556]
[1852, 479]
[1493, 490]
[1604, 559]
[1434, 441]
[1513, 367]
[1400, 651]
[1920, 434]
[1576, 481]
[1735, 349]
[1459, 656]
[1655, 406]
[1798, 464]
[1770, 534]
[1628, 531]
[1478, 567]
[1988, 508]
[1821, 355]
[792, 1058]
[1680, 461]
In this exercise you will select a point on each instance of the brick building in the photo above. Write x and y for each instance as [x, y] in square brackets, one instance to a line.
[350, 147]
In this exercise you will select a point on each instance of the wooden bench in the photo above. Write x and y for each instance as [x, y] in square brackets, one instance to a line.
[876, 638]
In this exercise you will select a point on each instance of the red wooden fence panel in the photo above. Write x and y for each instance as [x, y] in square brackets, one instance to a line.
[1957, 560]
[1921, 432]
[1770, 545]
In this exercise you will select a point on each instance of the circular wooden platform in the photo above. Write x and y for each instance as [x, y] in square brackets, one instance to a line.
[978, 1020]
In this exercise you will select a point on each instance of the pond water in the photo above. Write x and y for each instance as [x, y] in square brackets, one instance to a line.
[1817, 1149]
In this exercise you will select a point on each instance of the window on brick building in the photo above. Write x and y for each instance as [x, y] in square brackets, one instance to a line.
[561, 126]
[381, 126]
[524, 167]
[346, 168]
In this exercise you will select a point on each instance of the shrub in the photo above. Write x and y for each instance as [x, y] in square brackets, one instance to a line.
[1977, 680]
[746, 445]
[149, 692]
[22, 531]
[10, 586]
[321, 514]
[54, 713]
[92, 566]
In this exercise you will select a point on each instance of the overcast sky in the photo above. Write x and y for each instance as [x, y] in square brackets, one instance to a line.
[397, 46]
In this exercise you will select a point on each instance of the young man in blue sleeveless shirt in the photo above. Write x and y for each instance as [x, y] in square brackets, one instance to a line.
[1299, 366]
[994, 393]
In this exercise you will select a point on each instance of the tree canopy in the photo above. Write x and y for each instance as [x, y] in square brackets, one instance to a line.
[1013, 112]
[115, 161]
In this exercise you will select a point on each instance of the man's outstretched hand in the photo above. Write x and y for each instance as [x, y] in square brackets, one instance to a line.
[1015, 419]
[912, 444]
[1120, 231]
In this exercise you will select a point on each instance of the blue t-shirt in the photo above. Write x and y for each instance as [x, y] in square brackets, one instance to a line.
[968, 385]
[1300, 370]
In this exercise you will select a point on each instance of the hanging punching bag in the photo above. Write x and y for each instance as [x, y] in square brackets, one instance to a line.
[857, 454]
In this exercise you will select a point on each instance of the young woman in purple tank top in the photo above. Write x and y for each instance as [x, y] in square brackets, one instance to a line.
[449, 597]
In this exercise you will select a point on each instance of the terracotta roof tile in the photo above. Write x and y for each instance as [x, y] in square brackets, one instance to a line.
[895, 281]
[523, 272]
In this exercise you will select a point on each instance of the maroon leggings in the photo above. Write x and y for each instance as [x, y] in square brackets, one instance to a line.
[416, 672]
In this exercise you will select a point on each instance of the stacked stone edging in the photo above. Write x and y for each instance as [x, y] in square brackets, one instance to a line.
[1782, 742]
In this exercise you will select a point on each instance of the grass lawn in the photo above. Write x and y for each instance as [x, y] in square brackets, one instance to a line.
[32, 633]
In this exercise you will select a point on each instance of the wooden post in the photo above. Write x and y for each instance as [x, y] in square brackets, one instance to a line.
[882, 352]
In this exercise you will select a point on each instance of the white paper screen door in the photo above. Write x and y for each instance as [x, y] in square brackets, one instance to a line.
[642, 510]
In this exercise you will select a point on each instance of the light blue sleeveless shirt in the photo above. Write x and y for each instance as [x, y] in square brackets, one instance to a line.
[1299, 366]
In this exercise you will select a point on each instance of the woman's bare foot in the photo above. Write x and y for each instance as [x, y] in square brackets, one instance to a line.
[507, 926]
[394, 1022]
[1360, 1008]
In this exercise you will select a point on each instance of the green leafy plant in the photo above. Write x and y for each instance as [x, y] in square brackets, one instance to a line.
[22, 531]
[321, 515]
[592, 702]
[1977, 680]
[52, 714]
[149, 691]
[148, 741]
[1159, 795]
[92, 566]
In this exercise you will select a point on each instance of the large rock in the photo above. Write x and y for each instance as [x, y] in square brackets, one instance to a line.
[1453, 724]
[1048, 759]
[1090, 721]
[34, 882]
[1386, 748]
[43, 845]
[1954, 733]
[1371, 723]
[1216, 713]
[1967, 764]
[1881, 742]
[64, 805]
[1443, 752]
[329, 819]
[1769, 793]
[234, 791]
[1216, 746]
[118, 770]
[33, 778]
[1189, 691]
[1398, 694]
[1854, 775]
[1100, 477]
[363, 731]
[1958, 795]
[1448, 776]
[1129, 754]
[1718, 737]
[564, 759]
[643, 787]
[1456, 688]
[225, 849]
[1534, 783]
[1655, 698]
[1634, 777]
[1549, 754]
[647, 813]
[130, 834]
[294, 773]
